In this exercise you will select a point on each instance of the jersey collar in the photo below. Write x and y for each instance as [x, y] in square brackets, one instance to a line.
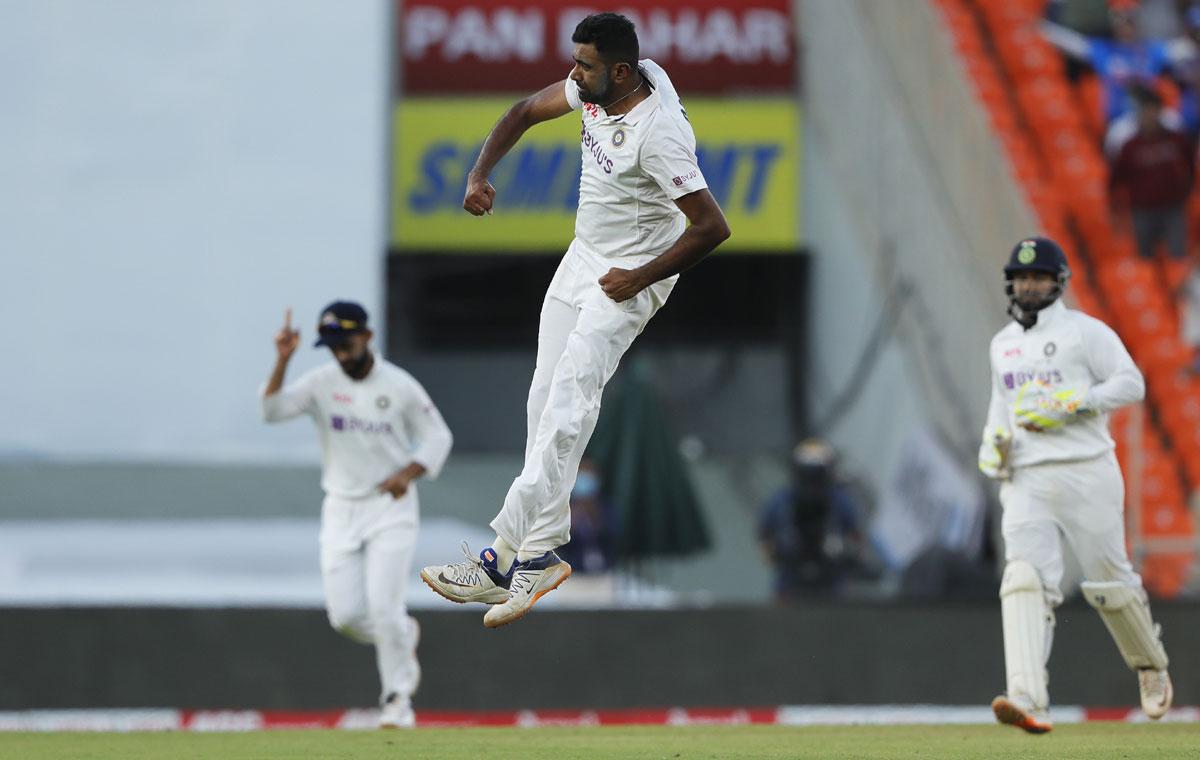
[1050, 314]
[638, 112]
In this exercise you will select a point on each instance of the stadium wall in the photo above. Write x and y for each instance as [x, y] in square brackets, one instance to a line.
[909, 213]
[176, 175]
[817, 654]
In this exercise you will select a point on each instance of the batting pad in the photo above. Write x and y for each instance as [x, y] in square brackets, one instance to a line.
[1027, 633]
[1125, 611]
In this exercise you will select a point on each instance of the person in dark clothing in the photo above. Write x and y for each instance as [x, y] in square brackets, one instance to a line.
[593, 529]
[808, 529]
[1151, 179]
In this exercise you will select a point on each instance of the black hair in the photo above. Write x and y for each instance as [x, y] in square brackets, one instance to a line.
[613, 36]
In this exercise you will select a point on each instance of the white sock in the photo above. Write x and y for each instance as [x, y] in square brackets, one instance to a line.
[525, 556]
[505, 554]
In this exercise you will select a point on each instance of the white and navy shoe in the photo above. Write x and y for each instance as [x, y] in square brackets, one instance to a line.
[397, 712]
[531, 580]
[476, 580]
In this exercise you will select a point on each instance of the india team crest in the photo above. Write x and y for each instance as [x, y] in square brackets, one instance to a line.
[618, 138]
[1027, 253]
[383, 402]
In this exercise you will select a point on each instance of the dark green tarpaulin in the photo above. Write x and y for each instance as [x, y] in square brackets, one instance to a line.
[646, 480]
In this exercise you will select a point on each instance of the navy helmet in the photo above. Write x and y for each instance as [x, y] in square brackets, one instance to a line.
[1035, 254]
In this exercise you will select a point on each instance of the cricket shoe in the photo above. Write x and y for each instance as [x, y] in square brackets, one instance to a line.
[1157, 693]
[1011, 713]
[531, 580]
[397, 712]
[476, 580]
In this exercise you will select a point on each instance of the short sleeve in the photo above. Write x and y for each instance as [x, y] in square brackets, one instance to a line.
[670, 161]
[572, 91]
[292, 400]
[431, 436]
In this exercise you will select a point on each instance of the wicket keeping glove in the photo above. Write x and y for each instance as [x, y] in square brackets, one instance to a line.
[993, 453]
[1039, 408]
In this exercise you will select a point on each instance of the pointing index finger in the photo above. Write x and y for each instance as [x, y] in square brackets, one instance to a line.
[287, 318]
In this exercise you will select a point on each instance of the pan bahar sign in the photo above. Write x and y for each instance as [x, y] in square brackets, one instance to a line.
[749, 151]
[707, 46]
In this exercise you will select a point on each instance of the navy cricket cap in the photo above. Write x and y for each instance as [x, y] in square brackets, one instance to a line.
[339, 320]
[1037, 254]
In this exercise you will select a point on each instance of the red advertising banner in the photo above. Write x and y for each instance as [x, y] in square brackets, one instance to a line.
[707, 46]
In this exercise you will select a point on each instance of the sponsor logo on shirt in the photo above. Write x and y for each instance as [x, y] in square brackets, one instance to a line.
[689, 176]
[592, 145]
[355, 425]
[1014, 380]
[343, 398]
[1012, 352]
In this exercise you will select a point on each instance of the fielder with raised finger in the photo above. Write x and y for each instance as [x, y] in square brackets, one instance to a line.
[379, 433]
[1056, 374]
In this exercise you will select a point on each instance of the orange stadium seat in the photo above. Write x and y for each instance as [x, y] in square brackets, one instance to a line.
[1090, 95]
[1175, 272]
[1018, 13]
[1086, 299]
[1051, 100]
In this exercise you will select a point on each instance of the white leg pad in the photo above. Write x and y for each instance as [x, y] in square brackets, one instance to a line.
[1028, 627]
[1125, 611]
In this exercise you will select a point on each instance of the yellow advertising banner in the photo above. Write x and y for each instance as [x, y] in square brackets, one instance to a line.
[749, 151]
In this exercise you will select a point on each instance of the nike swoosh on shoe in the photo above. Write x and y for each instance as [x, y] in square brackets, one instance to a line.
[442, 577]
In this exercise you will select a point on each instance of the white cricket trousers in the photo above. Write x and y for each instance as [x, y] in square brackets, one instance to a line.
[1083, 502]
[366, 556]
[582, 336]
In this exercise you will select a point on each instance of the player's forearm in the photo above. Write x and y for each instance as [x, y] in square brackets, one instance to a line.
[696, 242]
[275, 382]
[413, 471]
[500, 140]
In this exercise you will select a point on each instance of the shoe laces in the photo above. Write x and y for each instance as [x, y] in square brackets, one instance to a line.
[470, 571]
[522, 580]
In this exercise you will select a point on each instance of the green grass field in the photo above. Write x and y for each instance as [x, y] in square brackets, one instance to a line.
[1092, 741]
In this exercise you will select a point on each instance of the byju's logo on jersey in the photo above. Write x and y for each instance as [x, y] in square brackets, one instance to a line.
[1014, 380]
[355, 425]
[592, 145]
[689, 176]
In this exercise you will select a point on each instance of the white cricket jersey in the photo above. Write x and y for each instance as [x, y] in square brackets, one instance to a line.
[634, 167]
[369, 429]
[1068, 350]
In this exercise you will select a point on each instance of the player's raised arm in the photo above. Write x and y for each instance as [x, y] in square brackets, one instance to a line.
[286, 341]
[549, 103]
[278, 403]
